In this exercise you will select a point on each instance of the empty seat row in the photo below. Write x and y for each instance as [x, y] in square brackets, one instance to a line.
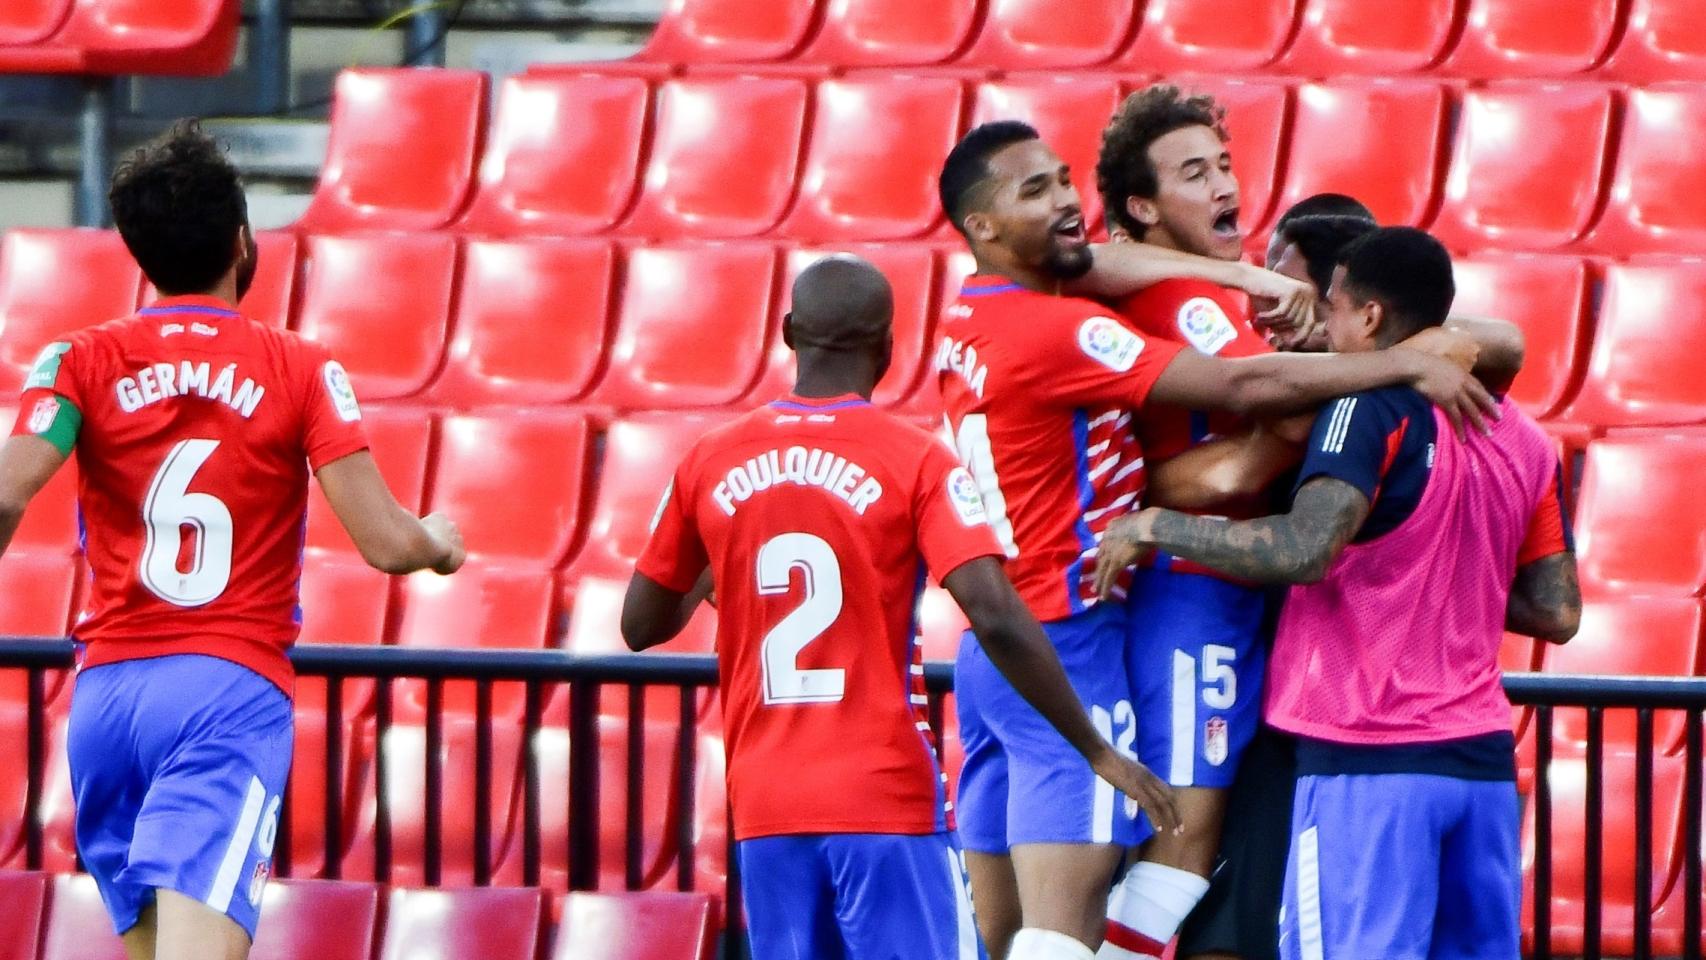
[426, 317]
[118, 37]
[61, 917]
[1643, 40]
[574, 152]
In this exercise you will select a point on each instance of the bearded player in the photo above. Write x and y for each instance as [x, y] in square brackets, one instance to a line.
[195, 430]
[817, 517]
[1039, 390]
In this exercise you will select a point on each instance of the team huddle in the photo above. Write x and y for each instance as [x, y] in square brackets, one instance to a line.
[1236, 584]
[1236, 580]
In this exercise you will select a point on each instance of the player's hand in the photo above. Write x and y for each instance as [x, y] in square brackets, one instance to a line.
[444, 530]
[1460, 396]
[1290, 303]
[1459, 348]
[1124, 543]
[1141, 786]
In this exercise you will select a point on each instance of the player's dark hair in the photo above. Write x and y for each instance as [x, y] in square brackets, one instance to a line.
[1123, 169]
[178, 203]
[967, 166]
[1406, 271]
[1325, 205]
[1320, 240]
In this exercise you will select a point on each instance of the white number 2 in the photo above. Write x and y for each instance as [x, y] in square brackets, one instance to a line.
[167, 509]
[784, 681]
[972, 443]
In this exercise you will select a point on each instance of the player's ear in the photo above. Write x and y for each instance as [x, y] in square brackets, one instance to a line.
[788, 329]
[1143, 210]
[979, 227]
[1370, 319]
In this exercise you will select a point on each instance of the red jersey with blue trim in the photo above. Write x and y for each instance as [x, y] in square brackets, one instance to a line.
[819, 519]
[194, 430]
[1039, 393]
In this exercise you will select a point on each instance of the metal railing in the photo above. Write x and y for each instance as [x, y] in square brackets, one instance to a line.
[542, 675]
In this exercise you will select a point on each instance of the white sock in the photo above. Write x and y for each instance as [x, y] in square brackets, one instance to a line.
[1146, 909]
[1033, 943]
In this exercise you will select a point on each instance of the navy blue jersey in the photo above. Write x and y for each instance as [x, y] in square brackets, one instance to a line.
[1382, 443]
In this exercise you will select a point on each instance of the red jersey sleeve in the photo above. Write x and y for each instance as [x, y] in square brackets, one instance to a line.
[675, 555]
[953, 527]
[1549, 528]
[1213, 319]
[1086, 357]
[52, 401]
[331, 416]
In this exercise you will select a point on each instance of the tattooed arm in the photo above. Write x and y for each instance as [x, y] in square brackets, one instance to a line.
[1546, 601]
[1295, 547]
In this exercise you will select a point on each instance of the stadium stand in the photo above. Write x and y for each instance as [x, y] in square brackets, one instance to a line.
[547, 310]
[77, 927]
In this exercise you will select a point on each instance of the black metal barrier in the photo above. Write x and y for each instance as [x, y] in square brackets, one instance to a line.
[543, 674]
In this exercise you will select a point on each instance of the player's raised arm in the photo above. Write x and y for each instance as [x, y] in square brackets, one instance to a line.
[389, 537]
[1122, 269]
[1017, 645]
[27, 463]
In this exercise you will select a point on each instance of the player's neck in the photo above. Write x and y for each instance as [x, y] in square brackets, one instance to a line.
[225, 290]
[817, 383]
[1040, 281]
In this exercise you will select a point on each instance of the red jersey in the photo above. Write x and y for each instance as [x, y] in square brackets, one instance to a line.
[1039, 393]
[818, 519]
[194, 429]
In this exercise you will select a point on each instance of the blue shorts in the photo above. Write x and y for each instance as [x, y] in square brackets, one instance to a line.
[1196, 659]
[1404, 866]
[856, 896]
[1021, 781]
[178, 766]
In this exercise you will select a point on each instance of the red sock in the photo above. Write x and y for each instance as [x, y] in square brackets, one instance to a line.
[1126, 938]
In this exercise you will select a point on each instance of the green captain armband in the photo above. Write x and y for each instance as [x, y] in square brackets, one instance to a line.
[57, 421]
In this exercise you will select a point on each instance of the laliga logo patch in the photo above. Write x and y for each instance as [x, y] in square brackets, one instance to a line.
[1108, 342]
[1205, 325]
[1214, 741]
[967, 501]
[341, 391]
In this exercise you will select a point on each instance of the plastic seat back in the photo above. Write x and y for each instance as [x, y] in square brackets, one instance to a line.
[1548, 298]
[1641, 369]
[488, 923]
[891, 33]
[24, 22]
[729, 31]
[317, 920]
[1533, 38]
[1664, 40]
[637, 926]
[1640, 522]
[77, 923]
[1655, 205]
[54, 282]
[1354, 36]
[1035, 35]
[1379, 142]
[1211, 35]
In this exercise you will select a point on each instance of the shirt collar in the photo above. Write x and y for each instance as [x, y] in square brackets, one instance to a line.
[189, 303]
[978, 285]
[817, 404]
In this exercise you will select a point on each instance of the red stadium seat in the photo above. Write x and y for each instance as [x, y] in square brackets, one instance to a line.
[879, 33]
[53, 282]
[484, 605]
[49, 524]
[729, 31]
[1655, 204]
[317, 920]
[1547, 297]
[564, 155]
[39, 591]
[1568, 778]
[1640, 521]
[1034, 35]
[657, 804]
[307, 788]
[640, 457]
[381, 305]
[117, 37]
[514, 482]
[402, 149]
[911, 274]
[269, 297]
[1664, 40]
[343, 599]
[398, 439]
[405, 791]
[1533, 38]
[1256, 129]
[691, 331]
[23, 906]
[77, 924]
[595, 616]
[532, 318]
[1641, 371]
[876, 146]
[1209, 35]
[601, 926]
[1069, 112]
[1651, 636]
[941, 625]
[724, 151]
[1342, 142]
[478, 924]
[1354, 36]
[25, 22]
[1527, 168]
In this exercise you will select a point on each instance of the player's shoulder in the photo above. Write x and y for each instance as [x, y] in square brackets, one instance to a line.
[1204, 315]
[1387, 404]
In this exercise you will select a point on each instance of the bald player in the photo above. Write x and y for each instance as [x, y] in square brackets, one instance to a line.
[818, 517]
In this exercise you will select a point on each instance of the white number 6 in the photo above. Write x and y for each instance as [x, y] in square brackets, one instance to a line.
[167, 509]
